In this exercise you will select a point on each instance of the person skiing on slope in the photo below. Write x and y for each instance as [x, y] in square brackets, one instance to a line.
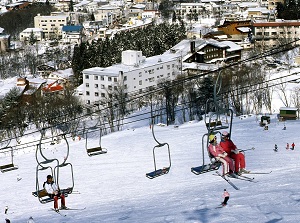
[287, 146]
[276, 148]
[293, 146]
[226, 197]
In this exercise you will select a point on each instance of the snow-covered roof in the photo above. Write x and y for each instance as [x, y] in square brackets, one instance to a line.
[82, 3]
[8, 84]
[199, 66]
[259, 9]
[138, 6]
[288, 109]
[114, 70]
[232, 46]
[244, 29]
[29, 30]
[248, 4]
[64, 73]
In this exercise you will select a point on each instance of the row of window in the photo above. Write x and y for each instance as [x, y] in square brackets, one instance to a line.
[273, 33]
[102, 78]
[59, 20]
[278, 27]
[102, 86]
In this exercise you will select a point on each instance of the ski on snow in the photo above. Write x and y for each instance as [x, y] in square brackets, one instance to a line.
[58, 212]
[73, 209]
[221, 206]
[259, 172]
[228, 181]
[67, 209]
[241, 177]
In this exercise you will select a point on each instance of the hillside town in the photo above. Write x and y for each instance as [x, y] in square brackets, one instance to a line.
[218, 32]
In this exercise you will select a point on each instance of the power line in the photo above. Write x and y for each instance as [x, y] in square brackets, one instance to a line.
[174, 83]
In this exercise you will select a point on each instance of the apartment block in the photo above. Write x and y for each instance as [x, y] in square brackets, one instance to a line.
[51, 25]
[136, 73]
[272, 34]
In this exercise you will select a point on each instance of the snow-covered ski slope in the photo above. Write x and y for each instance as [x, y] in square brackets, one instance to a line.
[113, 186]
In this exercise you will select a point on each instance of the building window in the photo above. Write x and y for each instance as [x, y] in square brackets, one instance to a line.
[102, 78]
[96, 94]
[95, 77]
[88, 102]
[125, 78]
[109, 87]
[109, 78]
[103, 95]
[87, 93]
[140, 82]
[87, 85]
[168, 67]
[96, 85]
[86, 76]
[115, 79]
[102, 86]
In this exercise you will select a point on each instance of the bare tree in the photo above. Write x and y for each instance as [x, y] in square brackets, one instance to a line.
[283, 93]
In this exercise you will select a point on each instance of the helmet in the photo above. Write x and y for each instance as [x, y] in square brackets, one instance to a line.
[211, 137]
[225, 133]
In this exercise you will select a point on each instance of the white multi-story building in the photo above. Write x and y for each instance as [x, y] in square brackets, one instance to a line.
[136, 73]
[51, 25]
[272, 34]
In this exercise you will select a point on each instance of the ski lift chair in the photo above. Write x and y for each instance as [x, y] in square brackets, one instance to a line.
[9, 166]
[158, 172]
[94, 150]
[213, 165]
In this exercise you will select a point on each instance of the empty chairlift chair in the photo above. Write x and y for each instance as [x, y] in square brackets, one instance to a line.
[8, 166]
[96, 150]
[159, 171]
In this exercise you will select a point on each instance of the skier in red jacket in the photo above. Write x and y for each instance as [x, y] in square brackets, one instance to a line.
[234, 153]
[293, 146]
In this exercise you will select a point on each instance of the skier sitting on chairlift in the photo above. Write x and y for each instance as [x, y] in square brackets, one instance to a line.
[233, 152]
[54, 192]
[218, 152]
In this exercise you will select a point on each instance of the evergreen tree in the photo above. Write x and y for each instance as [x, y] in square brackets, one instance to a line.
[71, 6]
[289, 10]
[32, 39]
[165, 8]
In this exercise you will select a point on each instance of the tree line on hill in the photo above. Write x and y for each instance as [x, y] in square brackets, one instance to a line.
[15, 21]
